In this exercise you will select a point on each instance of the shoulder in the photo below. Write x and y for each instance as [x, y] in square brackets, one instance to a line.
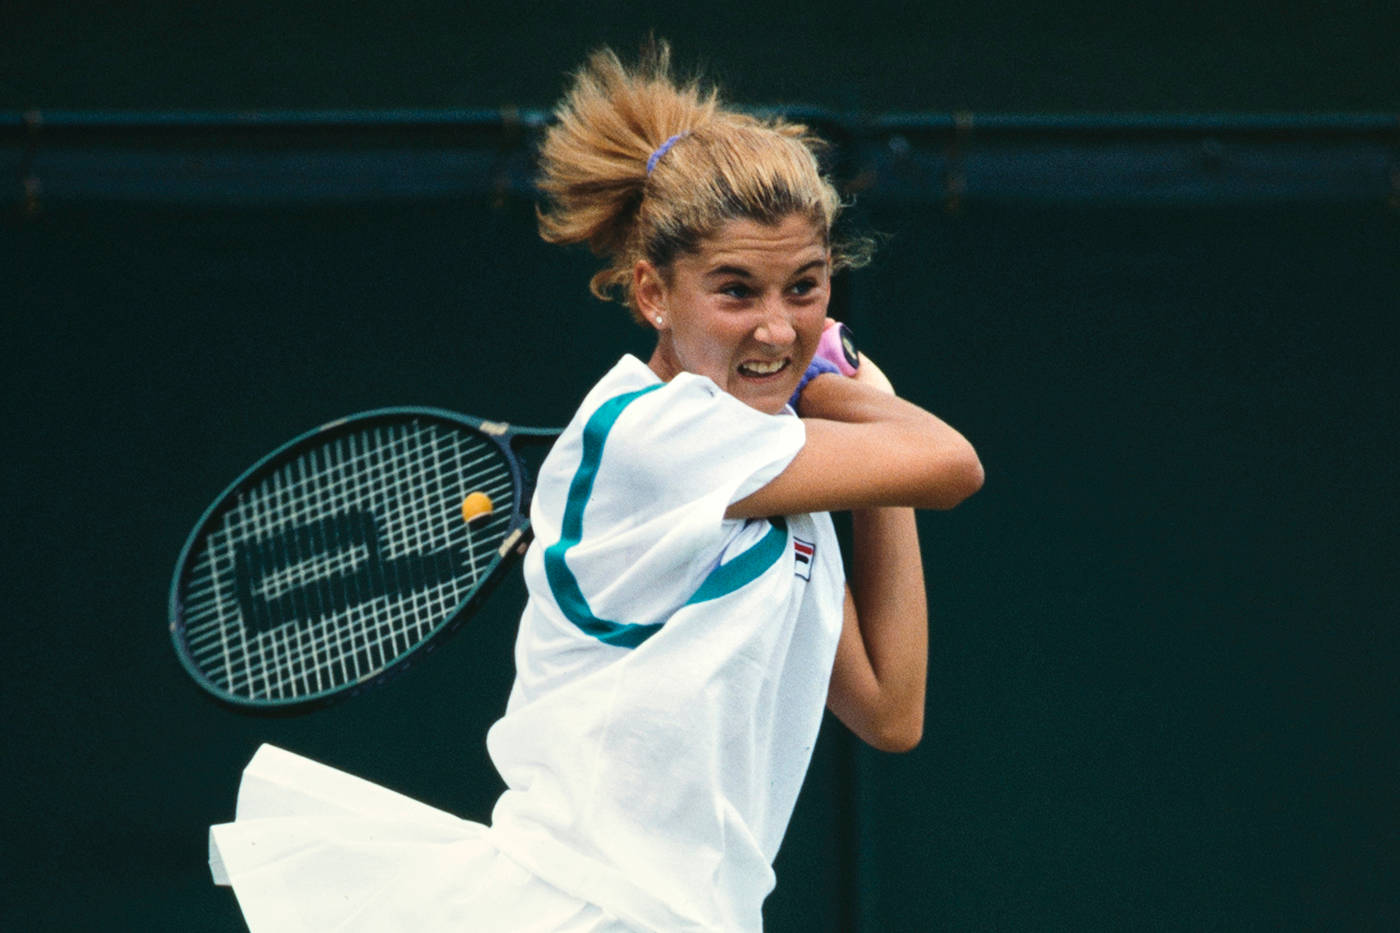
[683, 434]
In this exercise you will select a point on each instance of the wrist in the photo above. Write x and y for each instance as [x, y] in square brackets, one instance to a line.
[817, 367]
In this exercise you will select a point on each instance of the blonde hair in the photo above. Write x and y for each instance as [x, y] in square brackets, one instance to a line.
[709, 166]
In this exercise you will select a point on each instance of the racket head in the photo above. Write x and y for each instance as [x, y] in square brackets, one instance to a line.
[330, 563]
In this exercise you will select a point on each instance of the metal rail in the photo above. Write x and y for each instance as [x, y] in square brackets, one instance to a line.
[349, 156]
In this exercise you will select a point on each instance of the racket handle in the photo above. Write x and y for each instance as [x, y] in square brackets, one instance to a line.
[837, 346]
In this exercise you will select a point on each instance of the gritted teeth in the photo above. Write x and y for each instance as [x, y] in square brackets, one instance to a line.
[762, 367]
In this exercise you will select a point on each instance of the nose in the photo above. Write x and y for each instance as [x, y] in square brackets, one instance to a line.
[776, 328]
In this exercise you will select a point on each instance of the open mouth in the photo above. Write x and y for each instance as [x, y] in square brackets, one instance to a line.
[762, 369]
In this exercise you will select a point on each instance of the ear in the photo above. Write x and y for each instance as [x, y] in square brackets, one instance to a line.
[649, 292]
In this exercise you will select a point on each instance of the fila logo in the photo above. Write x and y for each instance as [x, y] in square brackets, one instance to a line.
[803, 552]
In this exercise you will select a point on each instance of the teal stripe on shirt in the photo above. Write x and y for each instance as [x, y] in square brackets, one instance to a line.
[747, 567]
[724, 579]
[561, 579]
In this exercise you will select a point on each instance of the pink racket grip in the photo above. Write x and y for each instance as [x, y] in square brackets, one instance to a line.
[837, 346]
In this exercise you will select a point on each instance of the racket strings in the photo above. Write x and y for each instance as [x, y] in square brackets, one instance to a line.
[365, 645]
[343, 559]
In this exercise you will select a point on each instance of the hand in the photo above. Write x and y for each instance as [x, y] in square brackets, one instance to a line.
[837, 346]
[870, 374]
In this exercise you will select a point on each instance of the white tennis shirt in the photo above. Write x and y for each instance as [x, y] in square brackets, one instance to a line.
[672, 665]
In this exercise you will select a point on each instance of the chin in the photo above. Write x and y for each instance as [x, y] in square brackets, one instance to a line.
[769, 405]
[769, 397]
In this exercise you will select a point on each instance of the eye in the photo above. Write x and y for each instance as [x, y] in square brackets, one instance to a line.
[735, 290]
[803, 286]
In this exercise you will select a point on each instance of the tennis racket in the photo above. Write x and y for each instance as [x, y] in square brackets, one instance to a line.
[338, 558]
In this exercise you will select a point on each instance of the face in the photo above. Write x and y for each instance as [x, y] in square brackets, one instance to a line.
[746, 310]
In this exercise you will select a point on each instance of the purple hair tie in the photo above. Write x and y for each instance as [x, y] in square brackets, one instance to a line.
[662, 149]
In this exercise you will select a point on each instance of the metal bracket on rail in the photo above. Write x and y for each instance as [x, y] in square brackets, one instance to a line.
[31, 188]
[955, 176]
[1394, 199]
[512, 130]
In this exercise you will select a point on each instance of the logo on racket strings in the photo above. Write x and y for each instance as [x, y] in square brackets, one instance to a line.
[328, 566]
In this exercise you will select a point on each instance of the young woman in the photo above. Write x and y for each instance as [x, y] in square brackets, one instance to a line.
[689, 617]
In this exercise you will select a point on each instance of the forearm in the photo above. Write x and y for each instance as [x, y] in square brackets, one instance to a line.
[891, 608]
[867, 448]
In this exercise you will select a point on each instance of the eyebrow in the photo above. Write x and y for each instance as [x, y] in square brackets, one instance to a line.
[743, 273]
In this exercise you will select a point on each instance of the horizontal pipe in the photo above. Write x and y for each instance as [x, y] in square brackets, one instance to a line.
[1272, 124]
[350, 156]
[1243, 124]
[145, 120]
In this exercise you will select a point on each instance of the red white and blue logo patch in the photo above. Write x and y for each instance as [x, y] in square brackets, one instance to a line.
[803, 553]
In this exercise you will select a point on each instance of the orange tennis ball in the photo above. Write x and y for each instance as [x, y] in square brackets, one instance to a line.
[475, 505]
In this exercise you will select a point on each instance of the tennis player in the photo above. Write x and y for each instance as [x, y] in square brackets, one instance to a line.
[688, 616]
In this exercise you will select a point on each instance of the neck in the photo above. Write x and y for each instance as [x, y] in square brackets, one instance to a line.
[663, 359]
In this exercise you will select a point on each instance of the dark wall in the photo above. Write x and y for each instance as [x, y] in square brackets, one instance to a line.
[1162, 688]
[1164, 630]
[878, 56]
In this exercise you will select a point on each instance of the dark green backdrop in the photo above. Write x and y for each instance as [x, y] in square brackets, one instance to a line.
[1163, 672]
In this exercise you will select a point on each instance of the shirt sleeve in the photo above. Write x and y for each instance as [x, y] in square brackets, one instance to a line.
[690, 441]
[642, 522]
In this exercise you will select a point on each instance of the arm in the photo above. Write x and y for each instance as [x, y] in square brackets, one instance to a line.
[885, 455]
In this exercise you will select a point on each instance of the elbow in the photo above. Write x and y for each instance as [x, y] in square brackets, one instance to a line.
[972, 476]
[888, 721]
[897, 736]
[897, 742]
[958, 477]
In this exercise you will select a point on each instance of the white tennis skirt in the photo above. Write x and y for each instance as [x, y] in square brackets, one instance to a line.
[316, 850]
